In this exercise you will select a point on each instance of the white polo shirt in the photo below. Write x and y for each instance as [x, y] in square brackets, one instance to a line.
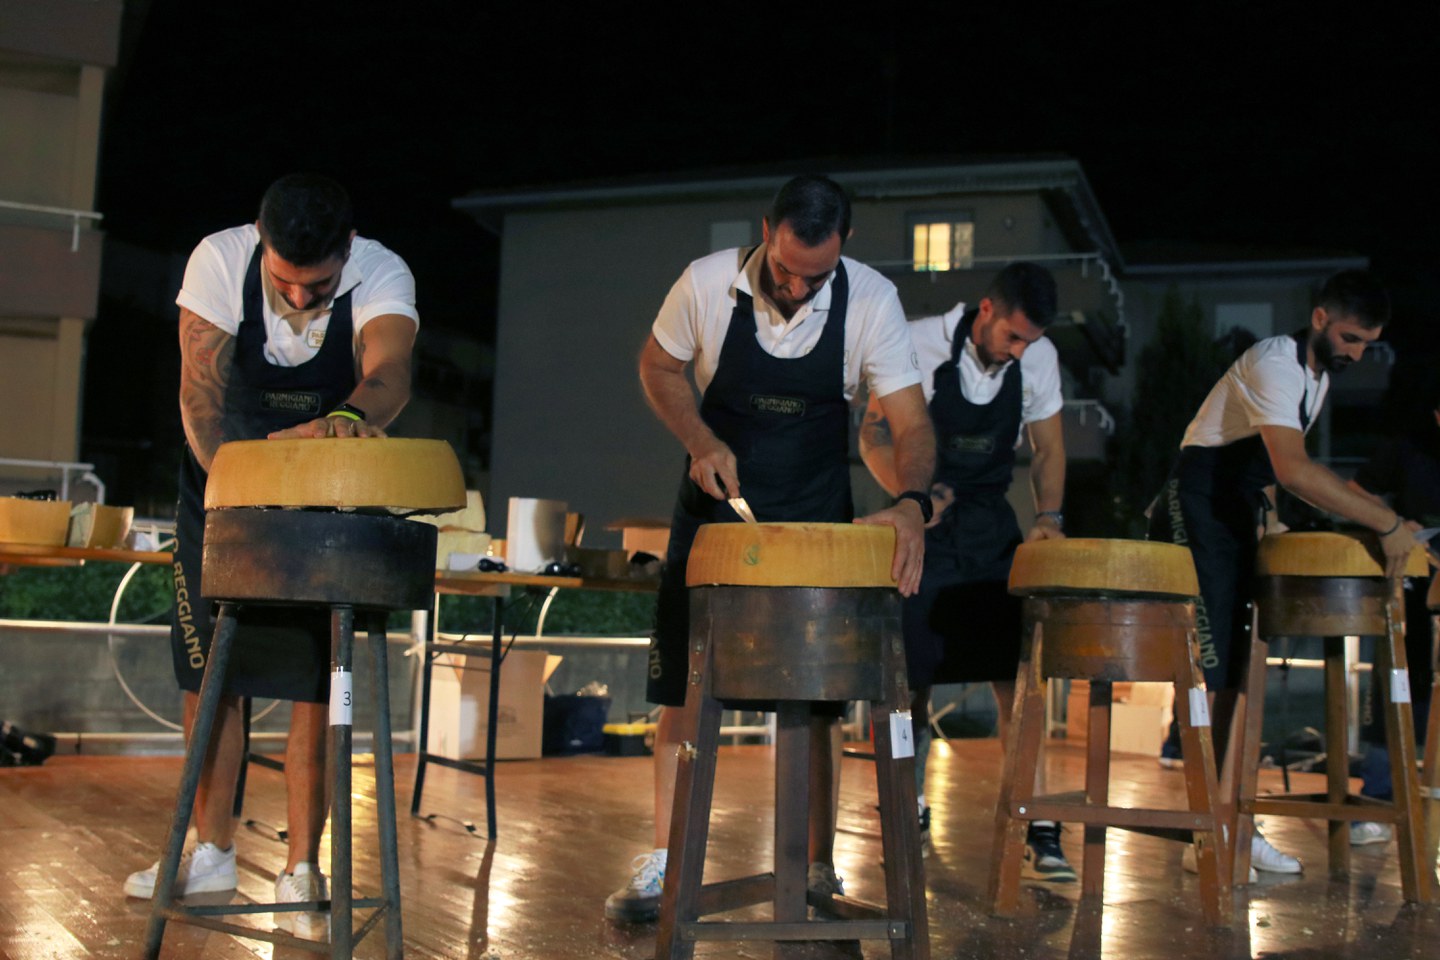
[695, 317]
[1041, 398]
[1264, 387]
[379, 283]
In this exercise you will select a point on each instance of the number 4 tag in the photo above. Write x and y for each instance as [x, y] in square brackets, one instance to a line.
[902, 737]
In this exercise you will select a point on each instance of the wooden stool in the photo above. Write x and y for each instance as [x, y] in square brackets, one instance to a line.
[793, 613]
[1106, 611]
[1331, 585]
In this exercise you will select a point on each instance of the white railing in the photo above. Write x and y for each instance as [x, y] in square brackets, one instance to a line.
[74, 216]
[86, 471]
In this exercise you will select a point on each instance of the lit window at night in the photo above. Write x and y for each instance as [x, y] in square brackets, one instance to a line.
[943, 246]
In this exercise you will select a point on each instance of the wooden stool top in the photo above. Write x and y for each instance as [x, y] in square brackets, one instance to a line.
[1347, 554]
[1122, 567]
[403, 475]
[792, 555]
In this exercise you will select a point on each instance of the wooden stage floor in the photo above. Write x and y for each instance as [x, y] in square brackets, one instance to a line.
[71, 830]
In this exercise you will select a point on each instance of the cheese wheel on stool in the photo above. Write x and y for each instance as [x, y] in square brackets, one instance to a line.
[792, 555]
[1344, 554]
[1103, 566]
[337, 472]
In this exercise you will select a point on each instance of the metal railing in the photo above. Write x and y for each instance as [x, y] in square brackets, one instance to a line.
[86, 470]
[74, 216]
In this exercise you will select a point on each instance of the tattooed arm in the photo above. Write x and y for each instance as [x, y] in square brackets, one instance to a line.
[206, 353]
[382, 367]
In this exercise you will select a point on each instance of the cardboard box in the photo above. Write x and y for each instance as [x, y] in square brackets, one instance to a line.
[41, 523]
[460, 700]
[1137, 723]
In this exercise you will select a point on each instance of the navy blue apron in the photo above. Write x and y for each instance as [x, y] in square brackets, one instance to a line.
[963, 626]
[279, 652]
[788, 424]
[1213, 503]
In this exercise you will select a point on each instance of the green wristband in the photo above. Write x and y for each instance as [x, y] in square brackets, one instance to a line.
[348, 411]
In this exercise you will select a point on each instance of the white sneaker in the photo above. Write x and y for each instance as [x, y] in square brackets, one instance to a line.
[205, 868]
[1365, 832]
[639, 900]
[306, 883]
[1265, 857]
[1189, 864]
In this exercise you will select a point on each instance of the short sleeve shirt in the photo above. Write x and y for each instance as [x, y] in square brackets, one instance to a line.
[1041, 397]
[377, 279]
[1265, 387]
[695, 317]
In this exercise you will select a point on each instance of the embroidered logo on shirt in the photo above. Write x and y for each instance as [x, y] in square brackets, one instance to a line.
[315, 338]
[292, 401]
[957, 443]
[786, 406]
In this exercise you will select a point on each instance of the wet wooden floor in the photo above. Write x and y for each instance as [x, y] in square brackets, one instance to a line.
[70, 832]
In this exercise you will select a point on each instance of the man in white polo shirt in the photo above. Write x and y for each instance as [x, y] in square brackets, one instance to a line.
[1248, 435]
[989, 374]
[779, 337]
[291, 326]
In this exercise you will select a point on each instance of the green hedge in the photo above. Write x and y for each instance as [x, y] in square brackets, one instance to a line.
[85, 593]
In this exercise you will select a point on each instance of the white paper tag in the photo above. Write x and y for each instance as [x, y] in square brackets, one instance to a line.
[1399, 686]
[1199, 707]
[342, 699]
[902, 738]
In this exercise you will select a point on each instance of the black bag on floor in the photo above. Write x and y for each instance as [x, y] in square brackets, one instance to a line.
[25, 749]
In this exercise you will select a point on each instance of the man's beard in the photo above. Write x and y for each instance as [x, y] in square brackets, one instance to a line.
[1328, 359]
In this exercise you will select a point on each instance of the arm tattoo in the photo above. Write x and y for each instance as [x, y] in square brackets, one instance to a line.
[875, 430]
[206, 354]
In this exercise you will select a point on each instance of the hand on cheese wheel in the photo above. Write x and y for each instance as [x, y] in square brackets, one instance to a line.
[401, 475]
[326, 427]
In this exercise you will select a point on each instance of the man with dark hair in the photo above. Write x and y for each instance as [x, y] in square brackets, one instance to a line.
[989, 374]
[289, 327]
[1248, 435]
[779, 337]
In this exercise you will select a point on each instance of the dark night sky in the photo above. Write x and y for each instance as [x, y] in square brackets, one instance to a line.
[1244, 123]
[1268, 125]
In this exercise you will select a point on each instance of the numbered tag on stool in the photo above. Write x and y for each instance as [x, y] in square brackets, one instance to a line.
[342, 698]
[902, 736]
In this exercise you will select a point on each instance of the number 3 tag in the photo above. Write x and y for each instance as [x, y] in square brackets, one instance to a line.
[342, 698]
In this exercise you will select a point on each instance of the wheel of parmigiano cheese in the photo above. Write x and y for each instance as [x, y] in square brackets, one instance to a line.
[1103, 566]
[792, 555]
[34, 522]
[375, 472]
[1346, 554]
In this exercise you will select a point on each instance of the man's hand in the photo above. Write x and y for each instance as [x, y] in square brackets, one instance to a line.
[909, 543]
[1397, 547]
[1045, 529]
[713, 469]
[327, 427]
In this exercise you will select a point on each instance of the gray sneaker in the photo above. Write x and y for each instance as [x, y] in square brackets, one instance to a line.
[306, 883]
[639, 900]
[822, 881]
[205, 868]
[1365, 832]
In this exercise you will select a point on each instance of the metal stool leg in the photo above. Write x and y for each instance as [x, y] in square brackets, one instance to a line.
[342, 930]
[385, 790]
[792, 814]
[211, 687]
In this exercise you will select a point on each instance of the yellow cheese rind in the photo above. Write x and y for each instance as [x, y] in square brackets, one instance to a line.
[1103, 566]
[97, 525]
[40, 523]
[1343, 554]
[399, 474]
[792, 555]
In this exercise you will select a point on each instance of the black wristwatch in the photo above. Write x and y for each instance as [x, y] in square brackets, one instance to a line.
[927, 509]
